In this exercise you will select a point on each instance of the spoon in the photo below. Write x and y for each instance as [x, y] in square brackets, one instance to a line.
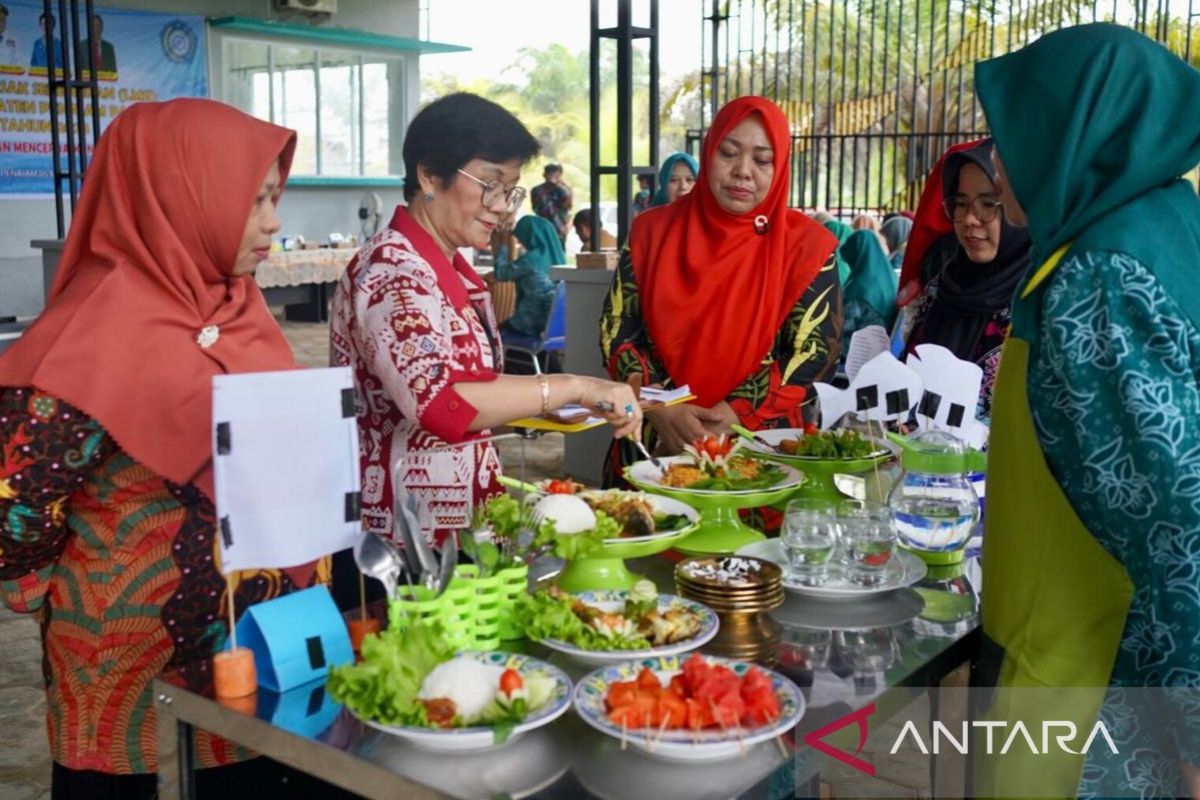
[379, 559]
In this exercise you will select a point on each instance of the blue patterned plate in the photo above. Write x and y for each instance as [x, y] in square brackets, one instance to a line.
[684, 745]
[615, 601]
[482, 737]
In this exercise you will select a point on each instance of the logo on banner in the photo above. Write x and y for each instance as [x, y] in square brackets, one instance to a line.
[179, 41]
[815, 739]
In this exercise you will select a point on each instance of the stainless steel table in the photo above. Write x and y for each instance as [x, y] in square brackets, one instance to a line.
[843, 656]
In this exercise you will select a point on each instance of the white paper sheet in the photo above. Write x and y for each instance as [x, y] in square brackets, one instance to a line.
[865, 344]
[291, 463]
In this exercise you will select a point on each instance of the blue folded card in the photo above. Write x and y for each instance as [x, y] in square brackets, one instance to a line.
[295, 638]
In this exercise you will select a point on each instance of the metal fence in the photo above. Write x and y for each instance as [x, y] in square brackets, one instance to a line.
[876, 90]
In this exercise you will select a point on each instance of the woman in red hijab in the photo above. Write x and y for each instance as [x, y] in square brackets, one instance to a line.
[106, 492]
[727, 289]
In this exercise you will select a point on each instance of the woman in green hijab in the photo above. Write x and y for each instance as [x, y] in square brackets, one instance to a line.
[1092, 552]
[869, 296]
[535, 290]
[842, 231]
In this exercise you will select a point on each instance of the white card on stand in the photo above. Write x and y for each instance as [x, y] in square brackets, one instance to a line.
[950, 394]
[884, 389]
[286, 468]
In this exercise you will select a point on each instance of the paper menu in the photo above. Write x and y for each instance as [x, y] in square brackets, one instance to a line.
[865, 344]
[575, 418]
[285, 464]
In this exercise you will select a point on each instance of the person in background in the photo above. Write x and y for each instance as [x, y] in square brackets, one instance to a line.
[107, 519]
[869, 296]
[38, 57]
[967, 277]
[727, 290]
[895, 230]
[842, 231]
[416, 325]
[584, 222]
[552, 199]
[641, 200]
[1093, 503]
[865, 222]
[676, 177]
[531, 273]
[102, 51]
[9, 49]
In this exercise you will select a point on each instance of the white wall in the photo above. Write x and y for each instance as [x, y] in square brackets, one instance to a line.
[313, 212]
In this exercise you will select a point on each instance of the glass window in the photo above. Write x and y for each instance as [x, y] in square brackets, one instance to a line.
[340, 103]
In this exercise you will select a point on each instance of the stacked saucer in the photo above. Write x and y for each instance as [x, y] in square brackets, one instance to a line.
[740, 589]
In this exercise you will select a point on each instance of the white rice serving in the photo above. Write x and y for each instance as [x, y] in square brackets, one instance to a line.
[570, 514]
[470, 684]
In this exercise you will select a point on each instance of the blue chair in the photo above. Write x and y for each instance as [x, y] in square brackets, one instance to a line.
[552, 340]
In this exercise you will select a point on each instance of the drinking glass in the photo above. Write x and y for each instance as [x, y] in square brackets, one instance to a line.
[868, 540]
[810, 534]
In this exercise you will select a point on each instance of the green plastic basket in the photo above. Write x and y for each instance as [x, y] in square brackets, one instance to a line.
[475, 613]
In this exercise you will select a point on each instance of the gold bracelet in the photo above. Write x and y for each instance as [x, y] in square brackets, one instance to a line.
[545, 394]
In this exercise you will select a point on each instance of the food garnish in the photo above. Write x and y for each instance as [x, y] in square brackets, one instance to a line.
[554, 614]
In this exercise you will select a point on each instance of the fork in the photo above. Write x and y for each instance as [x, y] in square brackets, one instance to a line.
[647, 453]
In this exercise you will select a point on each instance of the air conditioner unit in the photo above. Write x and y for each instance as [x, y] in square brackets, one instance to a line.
[309, 6]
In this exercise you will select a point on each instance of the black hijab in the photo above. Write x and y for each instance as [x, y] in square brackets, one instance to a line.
[970, 294]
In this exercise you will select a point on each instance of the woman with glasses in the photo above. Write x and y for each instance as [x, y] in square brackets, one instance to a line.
[415, 323]
[727, 290]
[531, 273]
[962, 295]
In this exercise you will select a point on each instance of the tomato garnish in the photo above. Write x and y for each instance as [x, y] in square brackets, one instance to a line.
[511, 681]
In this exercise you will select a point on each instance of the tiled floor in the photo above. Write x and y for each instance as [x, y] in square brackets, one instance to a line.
[25, 765]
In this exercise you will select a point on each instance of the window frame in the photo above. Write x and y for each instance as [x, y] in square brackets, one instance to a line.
[398, 101]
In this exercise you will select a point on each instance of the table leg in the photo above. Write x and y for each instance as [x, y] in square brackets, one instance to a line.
[176, 770]
[949, 704]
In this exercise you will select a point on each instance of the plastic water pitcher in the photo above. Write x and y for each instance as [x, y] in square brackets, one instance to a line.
[934, 502]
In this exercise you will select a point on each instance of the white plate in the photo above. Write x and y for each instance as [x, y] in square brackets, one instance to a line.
[664, 505]
[686, 745]
[773, 436]
[646, 473]
[904, 569]
[615, 601]
[481, 737]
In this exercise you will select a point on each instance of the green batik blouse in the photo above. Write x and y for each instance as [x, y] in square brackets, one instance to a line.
[1117, 412]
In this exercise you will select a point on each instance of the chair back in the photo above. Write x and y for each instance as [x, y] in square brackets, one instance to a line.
[555, 334]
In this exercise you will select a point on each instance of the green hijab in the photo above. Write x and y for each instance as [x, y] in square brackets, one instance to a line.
[664, 176]
[1095, 125]
[540, 239]
[872, 279]
[842, 231]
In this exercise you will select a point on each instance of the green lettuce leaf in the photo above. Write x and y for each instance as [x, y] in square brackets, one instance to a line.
[547, 617]
[384, 685]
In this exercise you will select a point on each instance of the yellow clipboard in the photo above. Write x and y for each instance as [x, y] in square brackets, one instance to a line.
[545, 424]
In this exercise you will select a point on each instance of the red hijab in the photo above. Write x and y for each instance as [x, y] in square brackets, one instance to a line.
[716, 289]
[145, 268]
[930, 223]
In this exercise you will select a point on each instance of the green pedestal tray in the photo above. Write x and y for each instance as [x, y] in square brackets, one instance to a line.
[605, 569]
[720, 530]
[818, 472]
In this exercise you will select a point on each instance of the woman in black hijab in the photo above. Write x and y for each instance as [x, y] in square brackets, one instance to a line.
[969, 275]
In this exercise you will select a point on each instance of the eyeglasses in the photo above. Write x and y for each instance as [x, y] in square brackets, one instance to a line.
[494, 190]
[985, 207]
